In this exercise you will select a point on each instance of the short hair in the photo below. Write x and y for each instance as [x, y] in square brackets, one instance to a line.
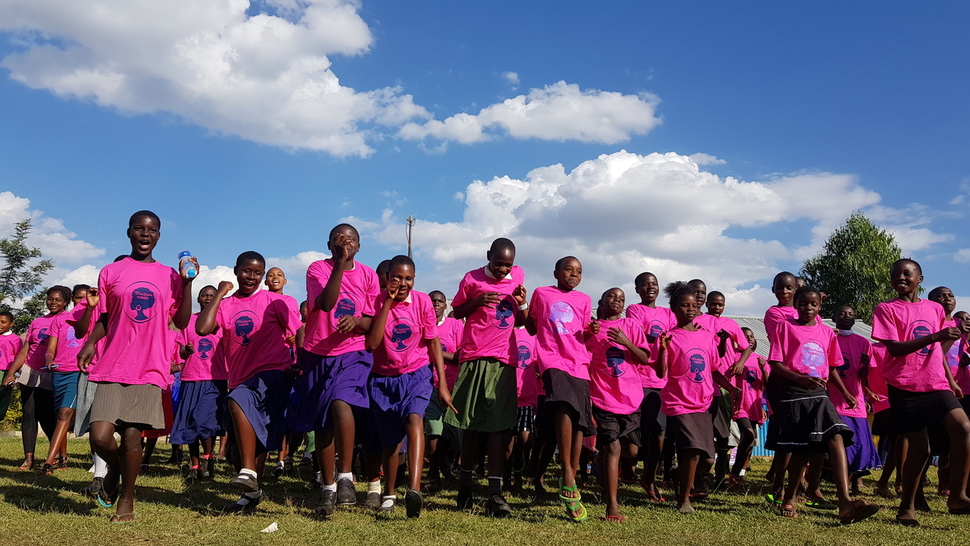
[150, 214]
[400, 259]
[807, 289]
[694, 282]
[936, 292]
[907, 260]
[208, 286]
[80, 287]
[64, 291]
[119, 257]
[561, 261]
[250, 255]
[642, 277]
[7, 314]
[501, 245]
[337, 228]
[383, 267]
[433, 292]
[781, 276]
[714, 293]
[746, 329]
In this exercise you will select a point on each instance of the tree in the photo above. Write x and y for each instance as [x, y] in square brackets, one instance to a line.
[853, 267]
[21, 276]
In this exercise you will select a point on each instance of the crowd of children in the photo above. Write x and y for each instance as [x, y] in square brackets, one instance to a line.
[375, 370]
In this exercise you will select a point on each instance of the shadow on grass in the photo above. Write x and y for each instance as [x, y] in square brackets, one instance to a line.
[42, 499]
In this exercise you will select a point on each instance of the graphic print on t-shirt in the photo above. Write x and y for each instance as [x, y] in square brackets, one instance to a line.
[614, 361]
[921, 329]
[562, 316]
[72, 340]
[813, 358]
[697, 365]
[203, 348]
[401, 333]
[504, 312]
[42, 336]
[141, 301]
[525, 355]
[244, 323]
[846, 364]
[345, 307]
[750, 377]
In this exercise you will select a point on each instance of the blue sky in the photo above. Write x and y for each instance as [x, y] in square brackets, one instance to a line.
[707, 139]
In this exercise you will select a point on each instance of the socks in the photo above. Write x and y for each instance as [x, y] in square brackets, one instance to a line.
[374, 486]
[248, 472]
[345, 476]
[494, 485]
[330, 487]
[100, 467]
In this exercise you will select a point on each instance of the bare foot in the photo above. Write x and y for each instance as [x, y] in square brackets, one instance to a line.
[686, 508]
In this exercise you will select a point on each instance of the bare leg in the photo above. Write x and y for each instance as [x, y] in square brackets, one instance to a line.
[917, 452]
[129, 459]
[687, 462]
[957, 426]
[58, 443]
[415, 431]
[796, 472]
[610, 475]
[342, 415]
[245, 436]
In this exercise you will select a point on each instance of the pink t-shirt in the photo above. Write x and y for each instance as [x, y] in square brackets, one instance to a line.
[411, 326]
[527, 380]
[449, 334]
[614, 382]
[488, 330]
[253, 331]
[962, 374]
[10, 345]
[774, 316]
[736, 337]
[897, 320]
[691, 360]
[856, 353]
[876, 383]
[74, 315]
[38, 334]
[208, 361]
[140, 300]
[561, 317]
[68, 345]
[655, 321]
[810, 349]
[358, 290]
[751, 383]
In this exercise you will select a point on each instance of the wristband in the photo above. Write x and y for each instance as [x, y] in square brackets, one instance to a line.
[523, 307]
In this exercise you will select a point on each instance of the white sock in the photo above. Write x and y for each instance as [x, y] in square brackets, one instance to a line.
[374, 486]
[345, 476]
[100, 467]
[248, 472]
[330, 487]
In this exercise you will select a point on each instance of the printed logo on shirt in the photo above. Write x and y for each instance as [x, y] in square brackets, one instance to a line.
[562, 317]
[698, 365]
[750, 377]
[72, 340]
[141, 301]
[203, 348]
[505, 313]
[43, 336]
[244, 324]
[525, 356]
[844, 368]
[921, 329]
[813, 358]
[655, 330]
[614, 361]
[401, 334]
[345, 307]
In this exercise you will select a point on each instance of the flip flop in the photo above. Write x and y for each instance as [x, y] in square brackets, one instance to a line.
[573, 504]
[106, 503]
[821, 504]
[907, 522]
[118, 519]
[787, 511]
[771, 499]
[859, 513]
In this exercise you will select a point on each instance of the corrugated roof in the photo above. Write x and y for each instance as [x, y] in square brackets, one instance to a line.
[757, 325]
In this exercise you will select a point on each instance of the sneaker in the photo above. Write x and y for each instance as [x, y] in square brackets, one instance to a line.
[413, 502]
[497, 507]
[278, 471]
[464, 498]
[373, 500]
[245, 504]
[327, 505]
[94, 488]
[244, 483]
[192, 477]
[288, 464]
[345, 492]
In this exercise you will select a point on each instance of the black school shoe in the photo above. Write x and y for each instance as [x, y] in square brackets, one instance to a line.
[346, 495]
[497, 507]
[413, 502]
[327, 505]
[245, 504]
[244, 483]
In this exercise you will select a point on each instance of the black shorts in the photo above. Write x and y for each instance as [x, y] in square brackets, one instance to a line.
[913, 411]
[614, 426]
[572, 391]
[882, 424]
[805, 424]
[692, 431]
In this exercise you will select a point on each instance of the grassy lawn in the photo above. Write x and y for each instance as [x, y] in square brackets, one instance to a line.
[50, 508]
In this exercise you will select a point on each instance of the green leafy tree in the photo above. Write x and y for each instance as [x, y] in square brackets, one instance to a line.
[853, 267]
[21, 276]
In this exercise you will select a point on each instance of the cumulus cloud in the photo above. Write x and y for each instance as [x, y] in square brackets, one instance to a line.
[559, 112]
[511, 77]
[264, 77]
[623, 213]
[706, 159]
[962, 256]
[48, 234]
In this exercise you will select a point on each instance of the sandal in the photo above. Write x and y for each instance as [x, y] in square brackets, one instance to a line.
[860, 510]
[772, 499]
[28, 464]
[821, 503]
[787, 511]
[123, 518]
[573, 504]
[105, 500]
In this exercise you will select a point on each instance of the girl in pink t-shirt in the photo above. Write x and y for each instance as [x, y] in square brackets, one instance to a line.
[783, 287]
[560, 319]
[916, 337]
[944, 296]
[618, 348]
[804, 421]
[748, 408]
[438, 443]
[36, 389]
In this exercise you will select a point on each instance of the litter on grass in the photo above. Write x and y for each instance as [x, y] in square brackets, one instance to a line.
[272, 528]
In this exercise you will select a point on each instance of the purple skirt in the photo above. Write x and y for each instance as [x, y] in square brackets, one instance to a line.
[862, 454]
[199, 415]
[392, 399]
[328, 378]
[262, 399]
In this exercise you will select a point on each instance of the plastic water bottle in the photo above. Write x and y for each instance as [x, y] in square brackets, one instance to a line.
[185, 264]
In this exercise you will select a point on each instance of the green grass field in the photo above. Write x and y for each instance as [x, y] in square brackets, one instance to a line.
[50, 509]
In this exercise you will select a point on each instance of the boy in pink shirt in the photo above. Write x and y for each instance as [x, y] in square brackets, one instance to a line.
[916, 337]
[749, 408]
[527, 393]
[202, 398]
[492, 300]
[617, 349]
[438, 434]
[334, 363]
[137, 298]
[258, 328]
[563, 324]
[404, 339]
[803, 418]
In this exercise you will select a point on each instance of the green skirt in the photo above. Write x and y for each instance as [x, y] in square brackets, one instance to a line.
[485, 397]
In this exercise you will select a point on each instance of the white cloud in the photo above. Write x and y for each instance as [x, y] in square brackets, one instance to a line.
[264, 77]
[48, 234]
[511, 77]
[962, 256]
[560, 112]
[706, 159]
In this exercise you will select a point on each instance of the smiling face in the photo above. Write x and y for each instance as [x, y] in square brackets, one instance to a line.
[784, 289]
[143, 234]
[844, 318]
[611, 304]
[275, 280]
[56, 302]
[569, 274]
[401, 276]
[249, 274]
[808, 305]
[905, 278]
[6, 323]
[715, 304]
[647, 287]
[500, 262]
[440, 303]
